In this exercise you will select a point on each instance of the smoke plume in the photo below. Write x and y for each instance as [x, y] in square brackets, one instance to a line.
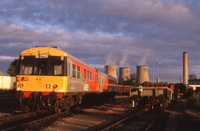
[143, 60]
[111, 59]
[124, 62]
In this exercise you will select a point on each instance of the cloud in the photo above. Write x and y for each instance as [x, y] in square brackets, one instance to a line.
[125, 32]
[7, 58]
[111, 16]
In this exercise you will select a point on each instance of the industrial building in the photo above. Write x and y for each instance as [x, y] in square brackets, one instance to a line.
[194, 83]
[193, 80]
[7, 82]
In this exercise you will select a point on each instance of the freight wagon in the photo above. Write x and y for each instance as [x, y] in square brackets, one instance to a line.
[123, 89]
[151, 96]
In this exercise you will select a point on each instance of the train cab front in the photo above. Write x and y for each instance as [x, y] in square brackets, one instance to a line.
[41, 77]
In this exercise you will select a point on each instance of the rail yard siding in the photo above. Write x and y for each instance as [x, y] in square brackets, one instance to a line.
[7, 82]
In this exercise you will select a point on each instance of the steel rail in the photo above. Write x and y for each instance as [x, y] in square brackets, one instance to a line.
[25, 124]
[126, 118]
[153, 121]
[14, 120]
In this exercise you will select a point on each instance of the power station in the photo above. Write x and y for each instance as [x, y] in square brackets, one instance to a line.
[142, 74]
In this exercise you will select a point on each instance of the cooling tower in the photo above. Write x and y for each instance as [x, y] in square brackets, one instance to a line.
[124, 74]
[111, 70]
[185, 68]
[142, 74]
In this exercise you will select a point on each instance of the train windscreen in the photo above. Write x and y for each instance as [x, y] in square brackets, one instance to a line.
[31, 65]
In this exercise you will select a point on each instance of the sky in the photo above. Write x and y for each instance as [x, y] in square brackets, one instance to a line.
[125, 32]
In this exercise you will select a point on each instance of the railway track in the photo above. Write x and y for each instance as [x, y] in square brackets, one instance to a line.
[33, 120]
[141, 120]
[18, 122]
[8, 102]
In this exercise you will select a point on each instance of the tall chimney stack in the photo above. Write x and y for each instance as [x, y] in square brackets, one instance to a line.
[185, 68]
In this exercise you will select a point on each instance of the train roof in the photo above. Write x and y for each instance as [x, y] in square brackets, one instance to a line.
[49, 50]
[54, 51]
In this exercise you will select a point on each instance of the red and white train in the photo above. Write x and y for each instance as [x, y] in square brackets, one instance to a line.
[51, 78]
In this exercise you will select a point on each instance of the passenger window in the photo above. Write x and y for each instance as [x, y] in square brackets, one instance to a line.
[88, 75]
[78, 72]
[85, 73]
[73, 70]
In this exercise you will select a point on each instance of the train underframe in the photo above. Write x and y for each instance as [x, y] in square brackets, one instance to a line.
[153, 102]
[58, 102]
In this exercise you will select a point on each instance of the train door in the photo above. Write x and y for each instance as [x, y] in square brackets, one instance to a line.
[101, 82]
[69, 72]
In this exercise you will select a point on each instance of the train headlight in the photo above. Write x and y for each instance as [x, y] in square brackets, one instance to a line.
[48, 86]
[21, 85]
[55, 86]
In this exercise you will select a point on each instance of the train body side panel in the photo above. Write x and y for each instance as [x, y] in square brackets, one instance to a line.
[83, 83]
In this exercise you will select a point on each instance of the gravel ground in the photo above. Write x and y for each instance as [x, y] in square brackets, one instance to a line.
[179, 117]
[94, 117]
